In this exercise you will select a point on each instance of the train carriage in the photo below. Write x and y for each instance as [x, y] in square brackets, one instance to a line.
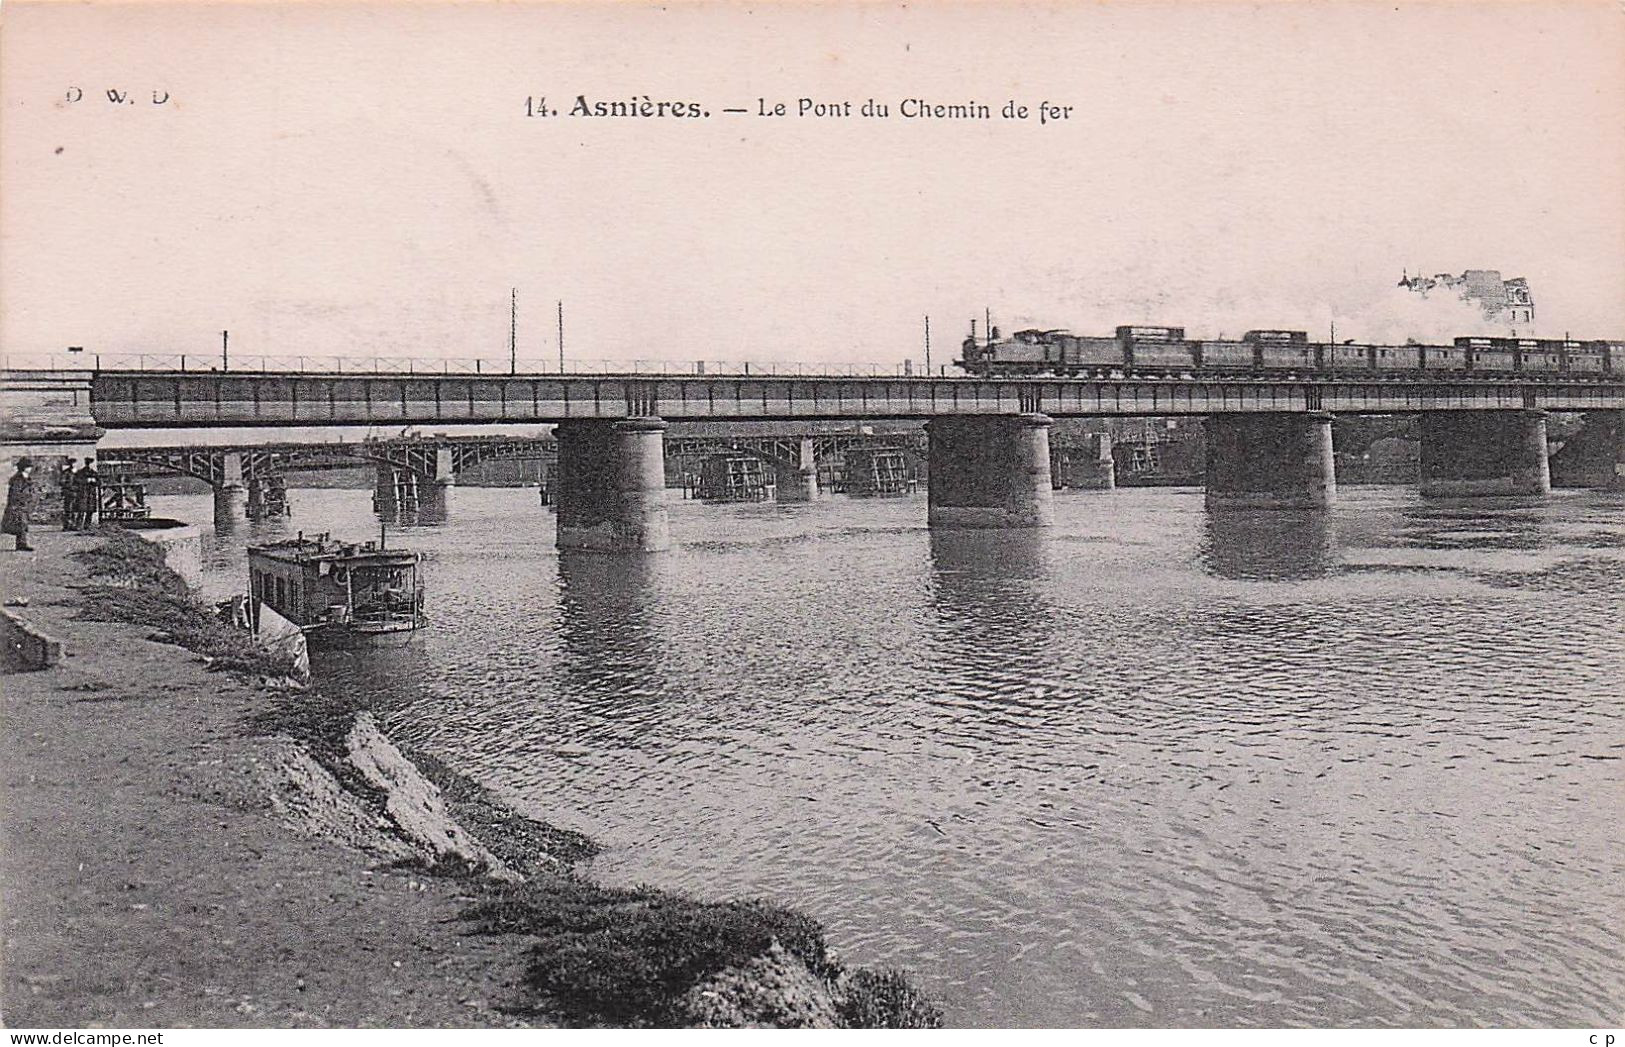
[1227, 356]
[1283, 356]
[1180, 355]
[1095, 354]
[1392, 357]
[1588, 358]
[1441, 358]
[1272, 351]
[1493, 360]
[1538, 355]
[1584, 360]
[1349, 357]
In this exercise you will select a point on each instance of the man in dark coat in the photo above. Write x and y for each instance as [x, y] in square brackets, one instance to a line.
[65, 486]
[87, 486]
[19, 504]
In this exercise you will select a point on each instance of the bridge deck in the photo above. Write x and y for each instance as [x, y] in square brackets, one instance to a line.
[148, 399]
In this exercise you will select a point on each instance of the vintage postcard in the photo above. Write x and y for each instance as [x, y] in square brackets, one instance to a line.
[834, 515]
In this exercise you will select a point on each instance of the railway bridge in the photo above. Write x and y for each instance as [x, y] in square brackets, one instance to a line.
[1269, 437]
[429, 465]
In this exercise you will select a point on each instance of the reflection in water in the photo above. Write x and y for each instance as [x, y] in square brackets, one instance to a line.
[1268, 544]
[227, 521]
[981, 587]
[1484, 523]
[609, 630]
[991, 621]
[431, 512]
[990, 552]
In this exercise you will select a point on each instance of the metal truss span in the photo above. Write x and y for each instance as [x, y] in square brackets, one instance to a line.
[140, 400]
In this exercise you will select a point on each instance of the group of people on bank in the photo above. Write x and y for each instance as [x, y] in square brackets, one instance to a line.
[81, 499]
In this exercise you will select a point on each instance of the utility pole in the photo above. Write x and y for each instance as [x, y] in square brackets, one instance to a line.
[225, 355]
[513, 331]
[928, 345]
[561, 338]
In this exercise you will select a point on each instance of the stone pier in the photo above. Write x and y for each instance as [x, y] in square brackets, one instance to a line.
[610, 486]
[397, 489]
[990, 471]
[231, 492]
[1087, 467]
[1270, 461]
[1469, 454]
[798, 483]
[1594, 456]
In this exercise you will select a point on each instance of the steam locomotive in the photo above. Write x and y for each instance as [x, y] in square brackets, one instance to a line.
[1166, 350]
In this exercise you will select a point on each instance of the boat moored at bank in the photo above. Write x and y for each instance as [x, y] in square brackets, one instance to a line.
[338, 593]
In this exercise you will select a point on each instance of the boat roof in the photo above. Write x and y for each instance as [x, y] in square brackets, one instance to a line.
[323, 547]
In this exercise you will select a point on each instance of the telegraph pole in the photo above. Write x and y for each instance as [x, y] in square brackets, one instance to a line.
[561, 338]
[225, 355]
[928, 345]
[513, 331]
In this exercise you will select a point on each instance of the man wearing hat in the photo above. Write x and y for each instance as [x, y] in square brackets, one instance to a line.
[64, 484]
[87, 489]
[19, 504]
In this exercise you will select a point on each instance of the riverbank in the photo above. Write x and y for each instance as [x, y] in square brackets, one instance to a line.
[187, 847]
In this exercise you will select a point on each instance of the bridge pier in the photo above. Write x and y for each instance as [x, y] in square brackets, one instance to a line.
[231, 492]
[610, 486]
[798, 483]
[1270, 461]
[1088, 468]
[1595, 456]
[990, 471]
[1468, 454]
[397, 489]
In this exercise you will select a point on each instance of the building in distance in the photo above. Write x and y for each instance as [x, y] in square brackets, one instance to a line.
[1501, 301]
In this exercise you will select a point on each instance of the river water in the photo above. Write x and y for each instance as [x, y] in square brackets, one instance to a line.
[1150, 767]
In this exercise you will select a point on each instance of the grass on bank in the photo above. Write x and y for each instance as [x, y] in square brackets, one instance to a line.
[135, 585]
[628, 957]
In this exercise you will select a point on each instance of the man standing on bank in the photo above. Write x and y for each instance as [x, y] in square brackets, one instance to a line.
[64, 486]
[19, 504]
[87, 490]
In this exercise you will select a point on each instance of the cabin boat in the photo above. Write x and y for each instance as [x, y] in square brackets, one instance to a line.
[338, 593]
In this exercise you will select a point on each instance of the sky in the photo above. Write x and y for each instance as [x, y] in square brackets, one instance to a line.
[363, 180]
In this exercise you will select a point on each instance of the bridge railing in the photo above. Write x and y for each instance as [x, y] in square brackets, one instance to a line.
[204, 363]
